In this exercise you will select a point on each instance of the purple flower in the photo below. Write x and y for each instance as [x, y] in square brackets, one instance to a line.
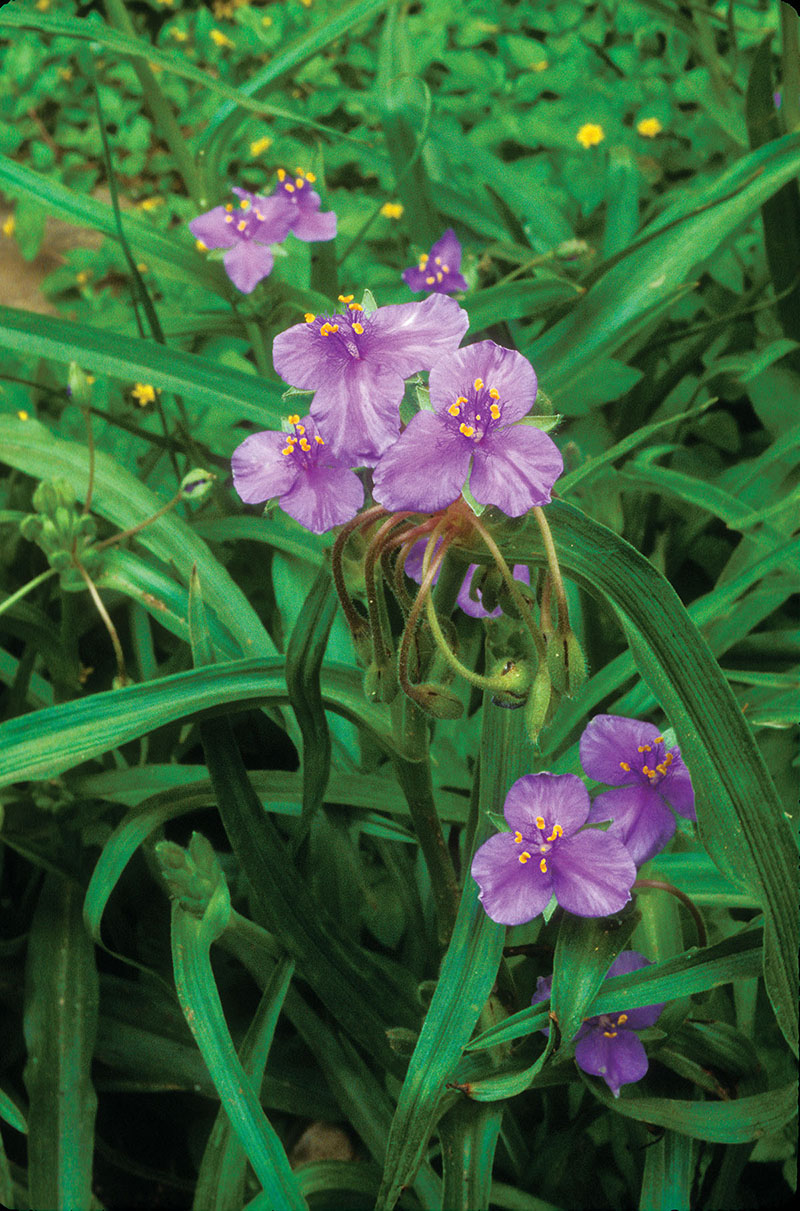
[307, 222]
[246, 233]
[313, 486]
[544, 854]
[357, 365]
[649, 780]
[608, 1045]
[439, 269]
[477, 393]
[413, 568]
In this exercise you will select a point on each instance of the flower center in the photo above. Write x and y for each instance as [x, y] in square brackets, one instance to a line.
[342, 331]
[611, 1022]
[476, 410]
[302, 447]
[295, 186]
[653, 769]
[435, 271]
[538, 841]
[246, 220]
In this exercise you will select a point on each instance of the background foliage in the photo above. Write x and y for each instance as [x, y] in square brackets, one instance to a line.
[653, 279]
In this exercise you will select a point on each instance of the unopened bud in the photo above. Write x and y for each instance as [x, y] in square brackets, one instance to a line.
[538, 704]
[437, 701]
[511, 681]
[78, 385]
[197, 484]
[191, 874]
[565, 663]
[402, 1040]
[380, 682]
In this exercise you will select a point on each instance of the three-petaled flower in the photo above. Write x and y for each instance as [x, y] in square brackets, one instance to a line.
[308, 222]
[438, 271]
[648, 780]
[314, 487]
[357, 362]
[607, 1045]
[246, 233]
[477, 393]
[590, 873]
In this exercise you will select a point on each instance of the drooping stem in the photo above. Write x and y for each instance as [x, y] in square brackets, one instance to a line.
[511, 585]
[662, 885]
[553, 567]
[357, 625]
[428, 577]
[26, 588]
[381, 649]
[492, 685]
[123, 534]
[109, 625]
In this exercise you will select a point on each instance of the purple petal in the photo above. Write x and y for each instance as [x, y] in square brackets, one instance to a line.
[515, 469]
[409, 337]
[213, 229]
[641, 819]
[676, 787]
[447, 250]
[247, 263]
[312, 225]
[275, 222]
[300, 357]
[424, 470]
[592, 874]
[358, 409]
[508, 371]
[623, 965]
[557, 798]
[475, 608]
[610, 740]
[620, 1060]
[413, 565]
[260, 471]
[325, 495]
[511, 892]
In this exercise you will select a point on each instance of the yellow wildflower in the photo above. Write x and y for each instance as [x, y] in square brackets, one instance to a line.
[649, 127]
[590, 134]
[150, 203]
[144, 394]
[258, 146]
[65, 73]
[180, 35]
[220, 39]
[392, 210]
[83, 277]
[9, 226]
[539, 65]
[22, 414]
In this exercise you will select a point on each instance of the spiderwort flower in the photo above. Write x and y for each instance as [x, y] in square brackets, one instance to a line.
[357, 364]
[313, 486]
[477, 393]
[648, 778]
[544, 854]
[439, 270]
[608, 1045]
[246, 234]
[307, 221]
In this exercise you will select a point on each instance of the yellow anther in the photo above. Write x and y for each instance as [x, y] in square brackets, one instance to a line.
[524, 857]
[354, 306]
[624, 765]
[228, 218]
[241, 225]
[540, 822]
[518, 836]
[478, 384]
[289, 188]
[281, 174]
[200, 246]
[294, 419]
[494, 393]
[346, 298]
[334, 327]
[454, 410]
[668, 759]
[309, 317]
[244, 204]
[462, 399]
[644, 748]
[260, 145]
[259, 216]
[299, 182]
[445, 268]
[556, 833]
[477, 416]
[646, 770]
[623, 1017]
[358, 329]
[311, 176]
[438, 277]
[467, 430]
[658, 740]
[543, 866]
[430, 281]
[318, 440]
[495, 412]
[300, 429]
[610, 1034]
[438, 260]
[304, 444]
[286, 450]
[229, 207]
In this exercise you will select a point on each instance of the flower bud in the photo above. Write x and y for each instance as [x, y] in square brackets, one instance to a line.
[380, 682]
[437, 701]
[511, 682]
[197, 484]
[78, 385]
[565, 663]
[538, 703]
[192, 874]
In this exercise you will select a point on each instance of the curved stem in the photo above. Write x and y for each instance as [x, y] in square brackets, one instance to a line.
[662, 885]
[109, 625]
[381, 650]
[553, 567]
[355, 622]
[115, 538]
[511, 585]
[429, 575]
[483, 683]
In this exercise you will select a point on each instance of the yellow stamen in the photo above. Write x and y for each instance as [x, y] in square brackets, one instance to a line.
[610, 1034]
[646, 770]
[354, 307]
[644, 748]
[658, 740]
[494, 393]
[430, 281]
[624, 765]
[241, 225]
[478, 384]
[244, 204]
[556, 833]
[311, 176]
[438, 277]
[286, 450]
[495, 412]
[623, 1017]
[319, 440]
[454, 410]
[260, 145]
[517, 836]
[300, 429]
[524, 857]
[358, 329]
[299, 182]
[281, 174]
[304, 444]
[200, 246]
[229, 207]
[346, 298]
[462, 399]
[289, 188]
[540, 822]
[294, 419]
[467, 430]
[445, 268]
[543, 866]
[309, 317]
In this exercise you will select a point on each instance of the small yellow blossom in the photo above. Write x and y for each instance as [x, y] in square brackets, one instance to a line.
[590, 134]
[142, 268]
[144, 394]
[392, 210]
[259, 146]
[539, 65]
[649, 127]
[306, 3]
[150, 203]
[266, 22]
[9, 226]
[65, 73]
[167, 3]
[220, 39]
[83, 277]
[180, 35]
[43, 5]
[22, 414]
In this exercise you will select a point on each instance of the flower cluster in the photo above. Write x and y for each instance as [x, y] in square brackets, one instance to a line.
[247, 231]
[549, 851]
[608, 1045]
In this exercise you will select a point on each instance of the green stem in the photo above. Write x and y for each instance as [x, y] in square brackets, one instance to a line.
[358, 626]
[382, 650]
[554, 568]
[511, 585]
[662, 885]
[159, 107]
[256, 339]
[790, 60]
[491, 685]
[26, 588]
